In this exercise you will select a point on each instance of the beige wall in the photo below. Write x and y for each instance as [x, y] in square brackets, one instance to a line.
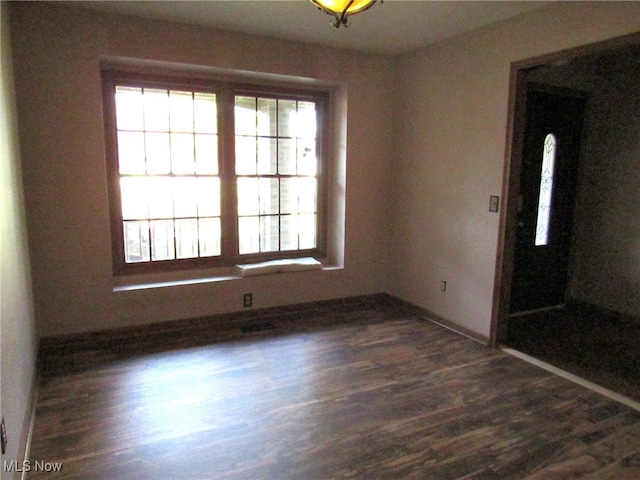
[57, 54]
[451, 121]
[607, 267]
[418, 183]
[18, 339]
[606, 253]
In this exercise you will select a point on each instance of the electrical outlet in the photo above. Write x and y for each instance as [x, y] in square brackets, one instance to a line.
[247, 300]
[443, 286]
[3, 436]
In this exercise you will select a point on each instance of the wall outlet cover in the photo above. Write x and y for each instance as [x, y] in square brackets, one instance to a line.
[494, 202]
[247, 300]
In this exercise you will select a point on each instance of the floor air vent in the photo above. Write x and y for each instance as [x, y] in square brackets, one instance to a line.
[257, 327]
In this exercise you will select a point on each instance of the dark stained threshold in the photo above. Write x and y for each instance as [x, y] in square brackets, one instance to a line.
[593, 343]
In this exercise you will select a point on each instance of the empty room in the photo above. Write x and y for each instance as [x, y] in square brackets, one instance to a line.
[253, 240]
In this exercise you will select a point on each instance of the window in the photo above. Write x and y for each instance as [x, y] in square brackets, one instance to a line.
[276, 168]
[205, 173]
[546, 188]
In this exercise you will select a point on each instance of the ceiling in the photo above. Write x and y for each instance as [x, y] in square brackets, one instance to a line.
[391, 28]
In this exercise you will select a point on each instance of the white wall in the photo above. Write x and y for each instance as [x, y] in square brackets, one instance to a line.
[450, 151]
[57, 54]
[18, 339]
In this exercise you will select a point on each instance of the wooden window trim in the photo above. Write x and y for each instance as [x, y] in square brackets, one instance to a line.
[225, 91]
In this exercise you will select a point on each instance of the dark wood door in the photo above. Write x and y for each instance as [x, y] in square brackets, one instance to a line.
[547, 196]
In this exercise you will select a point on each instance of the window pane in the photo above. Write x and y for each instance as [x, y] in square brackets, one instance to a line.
[269, 196]
[182, 158]
[209, 235]
[158, 153]
[245, 113]
[267, 117]
[208, 196]
[248, 196]
[162, 241]
[267, 156]
[546, 187]
[205, 113]
[286, 118]
[269, 233]
[186, 238]
[289, 195]
[308, 231]
[207, 154]
[156, 110]
[134, 197]
[305, 124]
[307, 195]
[160, 193]
[307, 160]
[185, 197]
[289, 232]
[131, 152]
[248, 235]
[136, 242]
[245, 155]
[129, 108]
[181, 111]
[286, 156]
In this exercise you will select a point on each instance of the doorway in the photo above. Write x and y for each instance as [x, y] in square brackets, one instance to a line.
[521, 75]
[595, 338]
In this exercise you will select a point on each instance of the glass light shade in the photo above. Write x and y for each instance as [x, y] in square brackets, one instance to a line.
[339, 6]
[341, 9]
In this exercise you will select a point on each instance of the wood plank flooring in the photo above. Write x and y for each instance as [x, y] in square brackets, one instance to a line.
[361, 392]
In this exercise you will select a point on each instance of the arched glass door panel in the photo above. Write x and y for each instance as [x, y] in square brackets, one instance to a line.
[546, 188]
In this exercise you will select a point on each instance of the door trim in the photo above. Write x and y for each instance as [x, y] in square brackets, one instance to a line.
[512, 167]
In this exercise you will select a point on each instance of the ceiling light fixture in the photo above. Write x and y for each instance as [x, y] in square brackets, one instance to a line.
[341, 9]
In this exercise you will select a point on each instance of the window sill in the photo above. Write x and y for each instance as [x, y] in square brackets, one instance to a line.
[144, 282]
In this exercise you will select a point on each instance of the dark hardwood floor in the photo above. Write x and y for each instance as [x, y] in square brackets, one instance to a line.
[598, 345]
[349, 391]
